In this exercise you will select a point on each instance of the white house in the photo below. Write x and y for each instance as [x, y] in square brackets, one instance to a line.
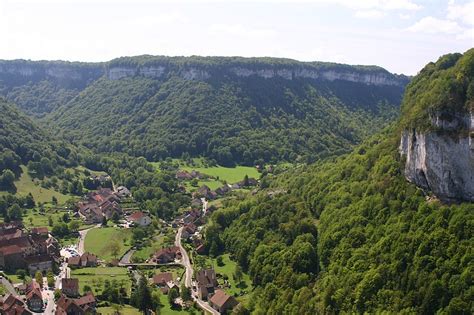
[140, 218]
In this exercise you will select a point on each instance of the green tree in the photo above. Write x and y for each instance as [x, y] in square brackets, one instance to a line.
[185, 293]
[173, 294]
[39, 278]
[15, 213]
[142, 296]
[50, 277]
[238, 274]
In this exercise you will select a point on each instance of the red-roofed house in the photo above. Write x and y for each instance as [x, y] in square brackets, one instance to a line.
[12, 305]
[70, 287]
[34, 298]
[222, 302]
[166, 255]
[140, 218]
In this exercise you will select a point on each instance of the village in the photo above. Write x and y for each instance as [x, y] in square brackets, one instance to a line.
[51, 275]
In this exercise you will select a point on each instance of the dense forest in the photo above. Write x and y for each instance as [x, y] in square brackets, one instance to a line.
[23, 142]
[351, 235]
[379, 244]
[278, 109]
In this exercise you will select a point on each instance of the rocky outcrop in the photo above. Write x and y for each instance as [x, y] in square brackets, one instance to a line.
[328, 75]
[197, 72]
[73, 74]
[442, 161]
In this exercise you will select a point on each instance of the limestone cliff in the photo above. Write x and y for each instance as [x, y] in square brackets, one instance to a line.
[437, 140]
[441, 161]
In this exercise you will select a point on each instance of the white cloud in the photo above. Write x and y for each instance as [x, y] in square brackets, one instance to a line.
[432, 25]
[404, 16]
[462, 12]
[369, 14]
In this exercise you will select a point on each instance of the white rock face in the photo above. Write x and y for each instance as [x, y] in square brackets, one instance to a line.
[59, 72]
[441, 163]
[195, 74]
[117, 73]
[152, 72]
[329, 75]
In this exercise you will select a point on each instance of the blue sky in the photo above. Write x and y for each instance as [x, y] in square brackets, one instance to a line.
[399, 35]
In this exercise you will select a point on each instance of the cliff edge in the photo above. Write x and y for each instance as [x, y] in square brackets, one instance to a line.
[437, 137]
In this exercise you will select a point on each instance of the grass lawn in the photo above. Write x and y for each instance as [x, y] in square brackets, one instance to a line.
[94, 277]
[166, 307]
[213, 184]
[124, 310]
[25, 185]
[228, 269]
[229, 174]
[13, 277]
[145, 252]
[98, 241]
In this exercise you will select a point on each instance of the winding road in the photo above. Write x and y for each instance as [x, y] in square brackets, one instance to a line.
[188, 279]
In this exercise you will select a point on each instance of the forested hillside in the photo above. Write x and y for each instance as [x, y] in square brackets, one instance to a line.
[353, 235]
[232, 110]
[23, 142]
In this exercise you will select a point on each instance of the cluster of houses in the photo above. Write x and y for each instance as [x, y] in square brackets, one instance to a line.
[71, 302]
[33, 250]
[30, 300]
[12, 304]
[102, 203]
[207, 289]
[85, 260]
[166, 255]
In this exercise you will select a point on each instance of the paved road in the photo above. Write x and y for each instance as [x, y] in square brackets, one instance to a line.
[125, 260]
[186, 262]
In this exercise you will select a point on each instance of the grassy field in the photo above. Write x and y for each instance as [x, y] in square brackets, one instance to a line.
[228, 269]
[25, 184]
[98, 241]
[229, 174]
[124, 310]
[94, 277]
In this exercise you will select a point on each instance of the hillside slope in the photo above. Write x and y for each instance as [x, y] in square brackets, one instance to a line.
[233, 110]
[22, 141]
[351, 236]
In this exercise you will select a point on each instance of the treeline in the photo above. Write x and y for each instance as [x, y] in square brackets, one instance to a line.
[381, 246]
[443, 89]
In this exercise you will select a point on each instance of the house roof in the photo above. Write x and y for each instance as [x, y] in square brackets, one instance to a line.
[35, 293]
[86, 299]
[220, 298]
[137, 216]
[162, 278]
[11, 250]
[74, 260]
[70, 283]
[40, 230]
